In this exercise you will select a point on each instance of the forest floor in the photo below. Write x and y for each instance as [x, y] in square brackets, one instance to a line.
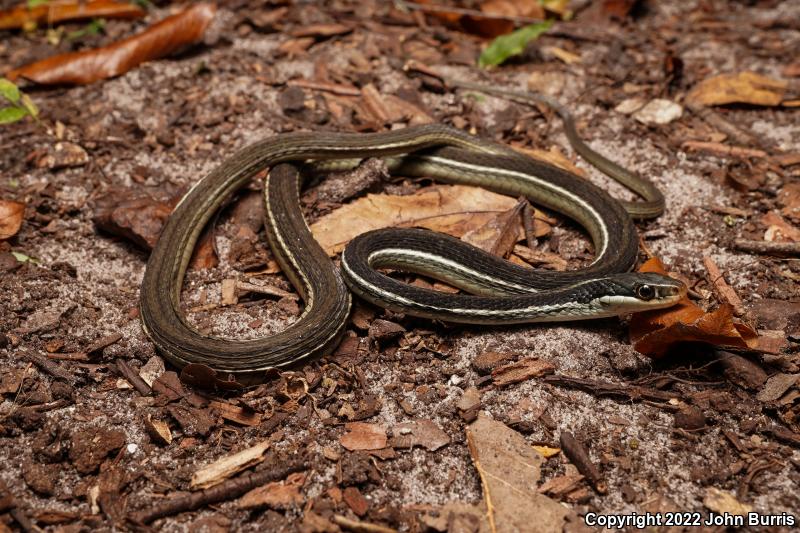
[395, 429]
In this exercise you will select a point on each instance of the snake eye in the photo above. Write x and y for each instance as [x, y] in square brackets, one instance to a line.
[645, 292]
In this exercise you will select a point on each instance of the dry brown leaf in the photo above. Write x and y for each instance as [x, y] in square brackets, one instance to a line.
[53, 12]
[744, 88]
[500, 234]
[778, 230]
[554, 156]
[789, 198]
[723, 502]
[654, 332]
[363, 436]
[87, 66]
[10, 218]
[509, 469]
[280, 495]
[420, 432]
[444, 208]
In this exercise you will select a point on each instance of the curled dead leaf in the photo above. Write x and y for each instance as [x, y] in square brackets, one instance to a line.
[162, 39]
[653, 333]
[51, 13]
[10, 218]
[743, 87]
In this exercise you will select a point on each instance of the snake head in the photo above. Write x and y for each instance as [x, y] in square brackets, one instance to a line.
[641, 291]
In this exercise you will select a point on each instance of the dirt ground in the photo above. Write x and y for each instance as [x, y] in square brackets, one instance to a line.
[77, 444]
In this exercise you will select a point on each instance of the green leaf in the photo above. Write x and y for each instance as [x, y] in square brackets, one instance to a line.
[22, 258]
[512, 44]
[34, 3]
[9, 91]
[29, 106]
[12, 114]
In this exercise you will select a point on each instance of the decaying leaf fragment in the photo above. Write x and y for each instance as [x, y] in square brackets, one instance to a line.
[510, 470]
[10, 218]
[87, 66]
[363, 436]
[743, 88]
[654, 332]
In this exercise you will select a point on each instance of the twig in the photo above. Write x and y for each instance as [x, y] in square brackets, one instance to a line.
[133, 377]
[603, 388]
[577, 453]
[724, 291]
[49, 367]
[227, 490]
[436, 8]
[768, 248]
[360, 527]
[722, 124]
[722, 150]
[334, 88]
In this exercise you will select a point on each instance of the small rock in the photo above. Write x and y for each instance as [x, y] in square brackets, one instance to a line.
[659, 111]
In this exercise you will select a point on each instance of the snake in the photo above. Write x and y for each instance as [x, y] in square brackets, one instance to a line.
[502, 293]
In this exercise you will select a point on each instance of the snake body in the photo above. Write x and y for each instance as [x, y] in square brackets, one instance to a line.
[508, 293]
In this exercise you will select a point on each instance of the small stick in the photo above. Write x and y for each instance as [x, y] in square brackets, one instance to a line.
[722, 124]
[360, 527]
[133, 377]
[49, 367]
[768, 248]
[724, 291]
[577, 453]
[334, 88]
[436, 8]
[226, 490]
[722, 150]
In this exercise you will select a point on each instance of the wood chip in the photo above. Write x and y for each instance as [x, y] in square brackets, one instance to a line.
[363, 436]
[723, 290]
[279, 495]
[228, 466]
[524, 370]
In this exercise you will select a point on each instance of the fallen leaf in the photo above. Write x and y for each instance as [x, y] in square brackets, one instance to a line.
[451, 209]
[420, 432]
[363, 436]
[744, 88]
[778, 230]
[500, 234]
[509, 469]
[87, 66]
[506, 46]
[10, 218]
[654, 332]
[555, 157]
[524, 370]
[158, 430]
[789, 199]
[279, 495]
[23, 15]
[722, 502]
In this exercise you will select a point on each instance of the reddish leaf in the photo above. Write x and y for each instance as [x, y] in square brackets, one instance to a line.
[10, 218]
[60, 11]
[168, 36]
[654, 332]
